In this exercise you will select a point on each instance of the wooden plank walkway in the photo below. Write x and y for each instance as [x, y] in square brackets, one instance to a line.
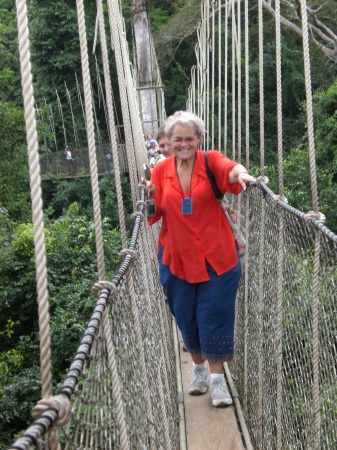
[207, 427]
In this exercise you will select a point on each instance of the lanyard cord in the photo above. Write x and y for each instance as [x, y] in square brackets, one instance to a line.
[190, 186]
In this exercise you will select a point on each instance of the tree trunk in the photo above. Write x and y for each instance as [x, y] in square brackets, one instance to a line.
[146, 65]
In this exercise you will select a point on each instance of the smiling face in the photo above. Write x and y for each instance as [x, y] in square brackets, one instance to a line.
[184, 141]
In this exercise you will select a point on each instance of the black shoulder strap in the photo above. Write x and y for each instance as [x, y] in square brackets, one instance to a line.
[211, 178]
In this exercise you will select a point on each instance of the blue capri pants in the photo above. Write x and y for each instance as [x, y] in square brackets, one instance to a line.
[204, 312]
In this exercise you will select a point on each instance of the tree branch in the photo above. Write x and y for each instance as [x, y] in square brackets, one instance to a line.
[320, 33]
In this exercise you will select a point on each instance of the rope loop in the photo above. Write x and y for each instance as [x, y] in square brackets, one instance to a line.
[128, 251]
[320, 217]
[138, 213]
[60, 403]
[97, 287]
[263, 178]
[280, 198]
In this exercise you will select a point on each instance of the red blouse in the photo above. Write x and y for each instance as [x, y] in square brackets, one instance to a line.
[189, 240]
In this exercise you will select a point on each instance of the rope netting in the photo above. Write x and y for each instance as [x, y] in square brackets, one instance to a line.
[256, 369]
[121, 390]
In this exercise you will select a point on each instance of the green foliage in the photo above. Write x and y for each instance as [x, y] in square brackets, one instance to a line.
[59, 194]
[162, 10]
[17, 284]
[19, 393]
[14, 185]
[55, 45]
[20, 387]
[326, 128]
[72, 271]
[297, 185]
[177, 79]
[10, 86]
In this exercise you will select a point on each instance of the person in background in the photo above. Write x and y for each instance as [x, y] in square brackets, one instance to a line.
[158, 156]
[69, 159]
[149, 137]
[164, 144]
[152, 150]
[198, 264]
[108, 161]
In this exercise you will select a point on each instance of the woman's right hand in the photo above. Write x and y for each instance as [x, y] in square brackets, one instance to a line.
[150, 187]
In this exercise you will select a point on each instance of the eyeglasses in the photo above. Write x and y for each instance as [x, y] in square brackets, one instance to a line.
[179, 140]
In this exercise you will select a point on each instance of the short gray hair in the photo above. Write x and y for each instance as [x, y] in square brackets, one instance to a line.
[187, 119]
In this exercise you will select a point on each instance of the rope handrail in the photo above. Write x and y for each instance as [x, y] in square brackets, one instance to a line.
[314, 221]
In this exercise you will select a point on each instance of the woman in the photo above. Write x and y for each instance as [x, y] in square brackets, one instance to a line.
[164, 144]
[198, 264]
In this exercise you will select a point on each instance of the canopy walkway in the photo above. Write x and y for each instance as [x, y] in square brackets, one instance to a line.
[55, 163]
[124, 388]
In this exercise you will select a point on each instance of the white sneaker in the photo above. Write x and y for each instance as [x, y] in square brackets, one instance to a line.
[199, 383]
[219, 393]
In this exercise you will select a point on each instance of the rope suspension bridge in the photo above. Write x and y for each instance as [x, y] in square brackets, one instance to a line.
[122, 389]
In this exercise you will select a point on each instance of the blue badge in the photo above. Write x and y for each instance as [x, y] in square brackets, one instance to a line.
[186, 206]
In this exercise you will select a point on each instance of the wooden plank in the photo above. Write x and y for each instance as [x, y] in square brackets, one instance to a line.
[207, 427]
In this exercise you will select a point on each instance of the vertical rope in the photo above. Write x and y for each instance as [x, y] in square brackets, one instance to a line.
[259, 431]
[79, 96]
[239, 107]
[126, 94]
[77, 144]
[247, 220]
[51, 121]
[61, 114]
[123, 74]
[261, 85]
[208, 75]
[226, 80]
[37, 207]
[91, 139]
[213, 70]
[109, 96]
[315, 301]
[239, 79]
[280, 259]
[233, 81]
[116, 386]
[219, 75]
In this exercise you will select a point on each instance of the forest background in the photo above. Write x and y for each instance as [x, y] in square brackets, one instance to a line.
[70, 237]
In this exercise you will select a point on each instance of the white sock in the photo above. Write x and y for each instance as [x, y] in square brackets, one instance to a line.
[217, 377]
[201, 366]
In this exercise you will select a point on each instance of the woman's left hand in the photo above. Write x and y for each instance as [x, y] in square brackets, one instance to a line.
[244, 178]
[150, 187]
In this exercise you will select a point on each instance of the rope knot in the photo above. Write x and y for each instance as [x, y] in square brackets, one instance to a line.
[263, 178]
[60, 403]
[281, 198]
[320, 217]
[128, 251]
[138, 213]
[97, 287]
